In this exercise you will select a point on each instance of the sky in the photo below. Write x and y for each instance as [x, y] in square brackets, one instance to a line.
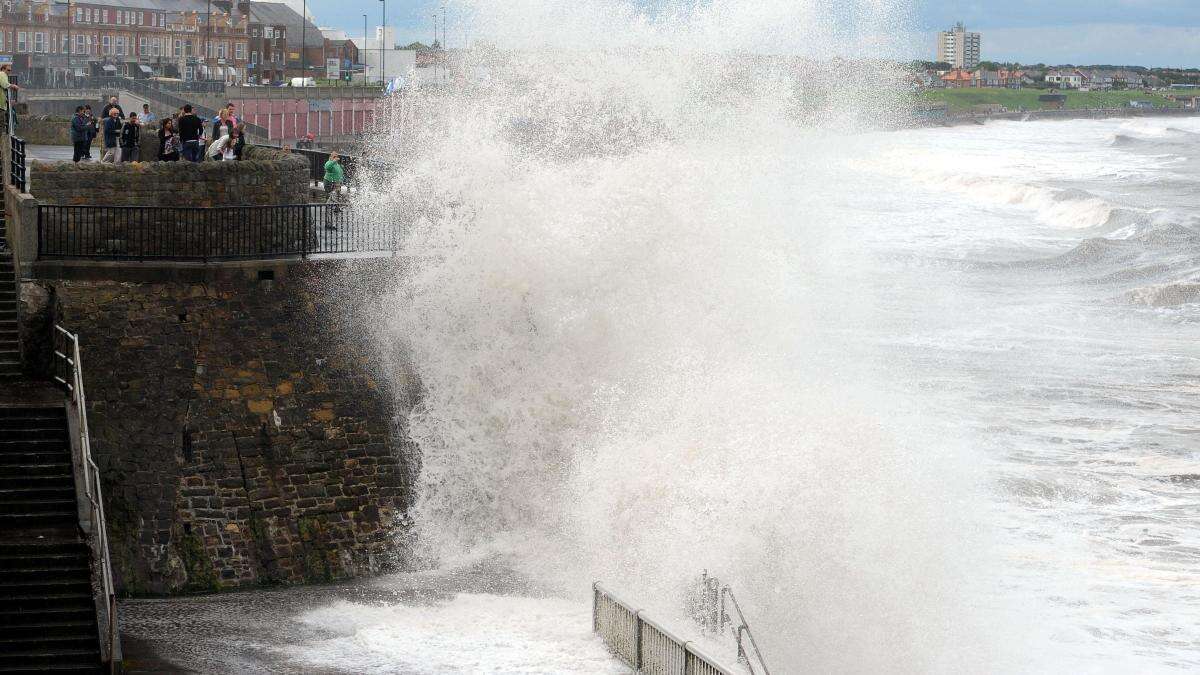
[1123, 32]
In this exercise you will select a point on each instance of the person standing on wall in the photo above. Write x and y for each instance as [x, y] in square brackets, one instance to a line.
[93, 129]
[5, 88]
[191, 128]
[112, 103]
[169, 146]
[130, 135]
[80, 133]
[335, 175]
[112, 132]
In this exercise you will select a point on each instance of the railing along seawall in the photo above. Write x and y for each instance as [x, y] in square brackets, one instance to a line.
[646, 645]
[68, 371]
[209, 233]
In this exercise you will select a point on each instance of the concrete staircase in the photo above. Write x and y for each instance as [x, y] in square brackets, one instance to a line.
[10, 349]
[47, 611]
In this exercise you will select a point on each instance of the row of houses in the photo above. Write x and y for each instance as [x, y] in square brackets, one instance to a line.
[234, 41]
[1086, 79]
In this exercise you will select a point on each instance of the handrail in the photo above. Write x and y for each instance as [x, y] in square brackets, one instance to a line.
[624, 631]
[709, 610]
[743, 628]
[72, 379]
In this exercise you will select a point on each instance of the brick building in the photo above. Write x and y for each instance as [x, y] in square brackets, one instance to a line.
[55, 41]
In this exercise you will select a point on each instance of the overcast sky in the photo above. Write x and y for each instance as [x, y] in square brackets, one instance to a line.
[1134, 32]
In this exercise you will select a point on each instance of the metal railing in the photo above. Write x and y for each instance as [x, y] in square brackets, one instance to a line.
[19, 177]
[644, 644]
[68, 371]
[209, 233]
[716, 609]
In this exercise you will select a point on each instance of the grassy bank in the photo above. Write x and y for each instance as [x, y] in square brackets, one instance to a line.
[961, 100]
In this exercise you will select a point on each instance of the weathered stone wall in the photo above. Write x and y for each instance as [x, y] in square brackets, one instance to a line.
[51, 130]
[245, 429]
[264, 177]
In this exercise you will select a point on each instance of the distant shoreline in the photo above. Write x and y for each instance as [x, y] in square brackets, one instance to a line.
[1041, 115]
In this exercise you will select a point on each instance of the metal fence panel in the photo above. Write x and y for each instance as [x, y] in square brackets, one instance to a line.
[643, 644]
[217, 233]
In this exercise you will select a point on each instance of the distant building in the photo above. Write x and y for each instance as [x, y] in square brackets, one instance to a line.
[959, 48]
[959, 79]
[1067, 79]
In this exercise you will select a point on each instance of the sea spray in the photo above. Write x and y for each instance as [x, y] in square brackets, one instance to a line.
[628, 302]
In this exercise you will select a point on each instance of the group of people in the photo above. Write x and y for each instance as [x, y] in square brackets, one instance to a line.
[183, 135]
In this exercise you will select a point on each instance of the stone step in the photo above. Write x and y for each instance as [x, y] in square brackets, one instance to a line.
[35, 444]
[67, 628]
[50, 470]
[48, 560]
[59, 481]
[57, 412]
[46, 573]
[55, 660]
[63, 601]
[66, 583]
[47, 616]
[30, 493]
[33, 458]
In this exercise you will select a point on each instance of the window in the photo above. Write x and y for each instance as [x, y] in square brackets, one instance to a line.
[79, 45]
[179, 48]
[22, 42]
[143, 46]
[106, 45]
[254, 32]
[39, 43]
[253, 58]
[156, 48]
[104, 16]
[268, 32]
[141, 18]
[120, 45]
[78, 15]
[189, 48]
[64, 43]
[120, 16]
[222, 50]
[239, 51]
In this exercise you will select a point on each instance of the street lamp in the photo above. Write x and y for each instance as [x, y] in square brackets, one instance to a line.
[363, 51]
[382, 39]
[303, 39]
[208, 42]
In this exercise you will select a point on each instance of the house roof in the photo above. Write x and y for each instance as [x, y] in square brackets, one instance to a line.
[958, 75]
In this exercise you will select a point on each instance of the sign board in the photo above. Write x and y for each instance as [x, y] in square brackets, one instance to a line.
[320, 105]
[333, 69]
[5, 58]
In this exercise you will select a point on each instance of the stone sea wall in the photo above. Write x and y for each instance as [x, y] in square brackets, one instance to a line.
[264, 177]
[248, 430]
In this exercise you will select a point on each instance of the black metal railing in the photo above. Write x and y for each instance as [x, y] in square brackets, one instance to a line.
[19, 176]
[209, 234]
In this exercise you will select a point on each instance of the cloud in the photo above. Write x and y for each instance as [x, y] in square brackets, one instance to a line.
[1122, 44]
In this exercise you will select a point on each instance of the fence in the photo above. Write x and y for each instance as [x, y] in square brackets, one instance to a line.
[68, 371]
[644, 644]
[17, 168]
[208, 234]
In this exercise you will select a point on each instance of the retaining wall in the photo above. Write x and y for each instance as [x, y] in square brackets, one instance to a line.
[245, 428]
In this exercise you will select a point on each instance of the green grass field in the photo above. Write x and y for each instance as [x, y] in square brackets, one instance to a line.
[960, 100]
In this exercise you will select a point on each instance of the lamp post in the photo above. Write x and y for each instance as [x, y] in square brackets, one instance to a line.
[208, 42]
[303, 39]
[382, 39]
[363, 51]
